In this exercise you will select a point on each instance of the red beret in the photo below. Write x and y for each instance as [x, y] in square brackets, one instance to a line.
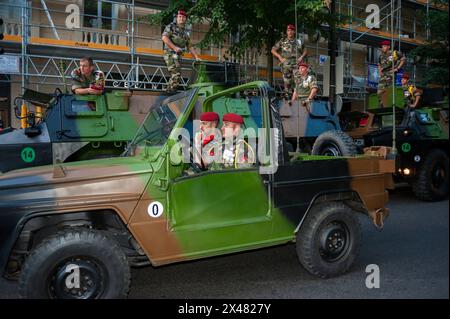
[303, 64]
[234, 118]
[290, 27]
[209, 116]
[385, 42]
[182, 13]
[405, 76]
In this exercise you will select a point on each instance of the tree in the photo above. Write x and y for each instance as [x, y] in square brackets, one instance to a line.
[255, 24]
[435, 51]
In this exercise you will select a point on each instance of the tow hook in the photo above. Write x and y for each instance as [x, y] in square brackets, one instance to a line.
[378, 216]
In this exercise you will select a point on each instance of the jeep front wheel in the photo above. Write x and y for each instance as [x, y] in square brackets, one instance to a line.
[76, 263]
[328, 241]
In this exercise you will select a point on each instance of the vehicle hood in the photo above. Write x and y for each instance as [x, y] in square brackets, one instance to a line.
[94, 181]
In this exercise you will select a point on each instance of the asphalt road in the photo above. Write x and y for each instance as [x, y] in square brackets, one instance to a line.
[412, 253]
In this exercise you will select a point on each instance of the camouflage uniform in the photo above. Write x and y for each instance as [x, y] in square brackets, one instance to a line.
[304, 84]
[291, 50]
[94, 81]
[179, 37]
[232, 154]
[387, 61]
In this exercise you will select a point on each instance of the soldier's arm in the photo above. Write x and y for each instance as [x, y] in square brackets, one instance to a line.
[194, 53]
[99, 86]
[417, 97]
[81, 91]
[314, 89]
[380, 70]
[275, 53]
[304, 54]
[313, 93]
[401, 63]
[170, 44]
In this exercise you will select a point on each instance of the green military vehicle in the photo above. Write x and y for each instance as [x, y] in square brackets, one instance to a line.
[73, 230]
[421, 139]
[73, 127]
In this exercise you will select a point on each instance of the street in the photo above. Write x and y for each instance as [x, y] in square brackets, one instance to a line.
[412, 253]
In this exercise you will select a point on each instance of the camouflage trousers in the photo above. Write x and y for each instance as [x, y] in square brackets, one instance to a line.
[173, 62]
[384, 82]
[287, 68]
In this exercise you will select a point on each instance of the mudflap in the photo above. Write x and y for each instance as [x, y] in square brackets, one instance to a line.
[378, 216]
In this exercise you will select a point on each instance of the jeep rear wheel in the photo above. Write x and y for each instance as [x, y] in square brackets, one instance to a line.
[76, 263]
[431, 181]
[329, 240]
[334, 143]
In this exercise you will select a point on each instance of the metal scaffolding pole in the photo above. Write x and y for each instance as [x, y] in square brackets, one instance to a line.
[25, 32]
[44, 5]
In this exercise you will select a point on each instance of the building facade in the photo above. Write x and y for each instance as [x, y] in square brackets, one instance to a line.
[44, 40]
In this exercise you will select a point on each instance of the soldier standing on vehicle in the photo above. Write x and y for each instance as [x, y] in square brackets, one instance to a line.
[86, 79]
[289, 51]
[176, 40]
[389, 62]
[306, 87]
[410, 92]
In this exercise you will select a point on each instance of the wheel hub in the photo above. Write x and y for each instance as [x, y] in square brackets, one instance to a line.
[331, 150]
[77, 279]
[334, 241]
[438, 176]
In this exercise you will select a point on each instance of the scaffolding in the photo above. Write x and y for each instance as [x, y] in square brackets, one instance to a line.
[407, 29]
[132, 65]
[135, 57]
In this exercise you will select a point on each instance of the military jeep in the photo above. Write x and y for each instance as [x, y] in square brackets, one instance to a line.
[73, 230]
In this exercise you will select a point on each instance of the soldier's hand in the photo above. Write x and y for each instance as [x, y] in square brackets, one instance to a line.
[198, 59]
[178, 50]
[282, 60]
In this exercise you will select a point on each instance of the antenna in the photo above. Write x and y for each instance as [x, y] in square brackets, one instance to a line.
[394, 132]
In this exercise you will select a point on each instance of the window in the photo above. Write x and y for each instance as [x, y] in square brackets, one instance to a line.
[83, 106]
[97, 14]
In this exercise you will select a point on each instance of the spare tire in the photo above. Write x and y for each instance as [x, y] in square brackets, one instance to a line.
[334, 143]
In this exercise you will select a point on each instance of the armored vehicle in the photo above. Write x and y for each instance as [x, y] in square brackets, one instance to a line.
[421, 139]
[73, 127]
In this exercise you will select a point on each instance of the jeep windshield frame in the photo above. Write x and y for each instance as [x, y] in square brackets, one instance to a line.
[161, 120]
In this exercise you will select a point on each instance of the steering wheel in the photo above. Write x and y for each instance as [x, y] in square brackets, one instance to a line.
[196, 167]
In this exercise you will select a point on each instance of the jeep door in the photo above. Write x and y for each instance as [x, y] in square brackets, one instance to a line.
[221, 210]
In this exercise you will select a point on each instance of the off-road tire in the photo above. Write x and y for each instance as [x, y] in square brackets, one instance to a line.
[319, 229]
[334, 143]
[92, 250]
[436, 162]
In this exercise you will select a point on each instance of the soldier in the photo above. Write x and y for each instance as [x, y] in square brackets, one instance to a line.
[176, 40]
[289, 51]
[410, 92]
[306, 87]
[234, 151]
[209, 122]
[389, 62]
[87, 80]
